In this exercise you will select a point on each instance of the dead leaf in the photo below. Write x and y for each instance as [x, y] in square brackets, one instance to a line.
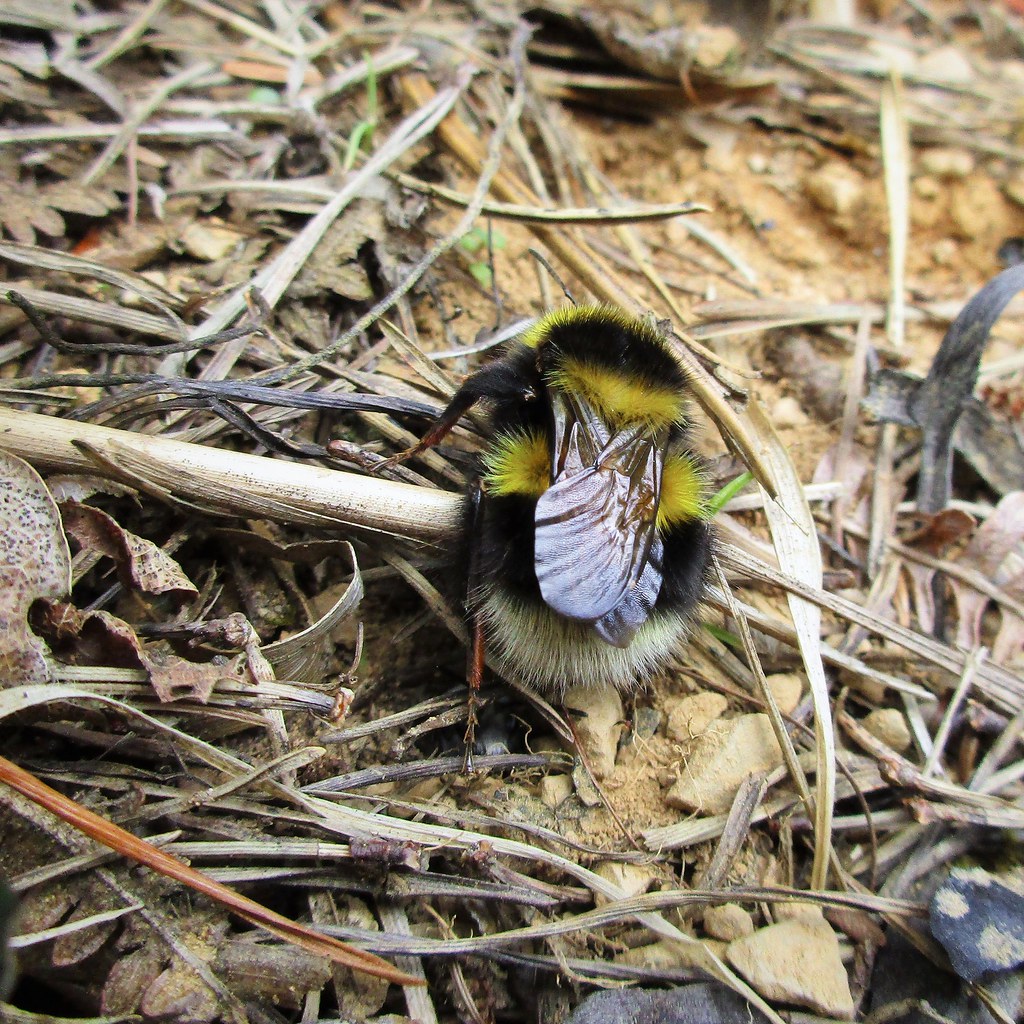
[140, 563]
[993, 542]
[335, 265]
[26, 207]
[99, 638]
[128, 978]
[35, 564]
[933, 537]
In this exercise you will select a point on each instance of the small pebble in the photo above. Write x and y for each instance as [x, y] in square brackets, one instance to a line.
[889, 726]
[209, 240]
[797, 910]
[946, 162]
[720, 759]
[632, 879]
[599, 726]
[946, 64]
[796, 962]
[555, 789]
[836, 188]
[787, 688]
[787, 412]
[690, 716]
[728, 922]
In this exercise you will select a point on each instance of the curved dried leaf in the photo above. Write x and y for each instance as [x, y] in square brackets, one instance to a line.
[140, 563]
[993, 541]
[26, 208]
[997, 536]
[34, 564]
[304, 656]
[47, 220]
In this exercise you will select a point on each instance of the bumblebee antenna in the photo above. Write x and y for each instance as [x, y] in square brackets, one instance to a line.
[551, 270]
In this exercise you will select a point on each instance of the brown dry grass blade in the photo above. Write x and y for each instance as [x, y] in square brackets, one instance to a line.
[128, 845]
[590, 268]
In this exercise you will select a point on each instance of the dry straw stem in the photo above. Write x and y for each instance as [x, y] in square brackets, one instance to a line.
[233, 483]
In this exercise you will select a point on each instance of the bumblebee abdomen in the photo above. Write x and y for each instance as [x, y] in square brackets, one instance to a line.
[535, 645]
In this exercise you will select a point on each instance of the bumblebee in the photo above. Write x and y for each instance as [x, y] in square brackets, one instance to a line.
[590, 544]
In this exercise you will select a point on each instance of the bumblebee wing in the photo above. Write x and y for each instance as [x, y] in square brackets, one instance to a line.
[596, 554]
[619, 626]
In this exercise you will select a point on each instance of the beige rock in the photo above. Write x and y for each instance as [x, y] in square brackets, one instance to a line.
[586, 790]
[690, 716]
[978, 209]
[945, 252]
[796, 962]
[690, 954]
[873, 691]
[728, 922]
[837, 189]
[600, 725]
[786, 688]
[797, 910]
[632, 879]
[715, 45]
[554, 789]
[946, 162]
[209, 240]
[720, 759]
[672, 953]
[787, 412]
[946, 64]
[889, 725]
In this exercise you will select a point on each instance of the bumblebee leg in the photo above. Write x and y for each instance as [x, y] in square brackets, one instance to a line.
[474, 677]
[504, 379]
[438, 430]
[477, 646]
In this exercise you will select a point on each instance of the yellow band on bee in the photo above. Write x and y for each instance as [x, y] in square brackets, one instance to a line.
[518, 463]
[682, 489]
[618, 399]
